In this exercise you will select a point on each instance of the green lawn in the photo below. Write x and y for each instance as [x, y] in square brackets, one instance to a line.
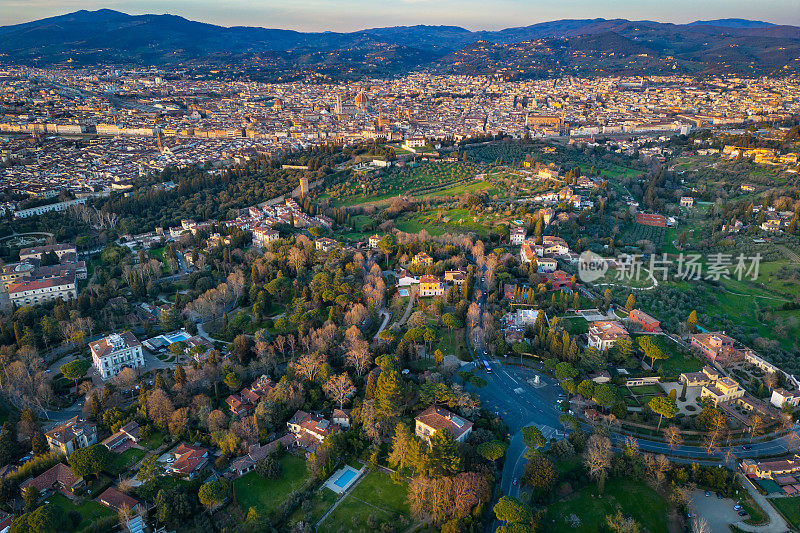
[647, 390]
[123, 461]
[266, 495]
[636, 499]
[90, 510]
[152, 442]
[677, 363]
[575, 325]
[377, 496]
[789, 508]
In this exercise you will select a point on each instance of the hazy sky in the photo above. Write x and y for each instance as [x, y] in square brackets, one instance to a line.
[346, 15]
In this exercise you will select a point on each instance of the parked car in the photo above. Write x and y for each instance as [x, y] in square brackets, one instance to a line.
[742, 513]
[708, 494]
[737, 507]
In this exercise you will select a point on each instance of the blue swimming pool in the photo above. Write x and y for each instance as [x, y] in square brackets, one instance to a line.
[177, 337]
[343, 480]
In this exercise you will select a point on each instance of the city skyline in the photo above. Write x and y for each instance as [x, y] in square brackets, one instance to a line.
[351, 15]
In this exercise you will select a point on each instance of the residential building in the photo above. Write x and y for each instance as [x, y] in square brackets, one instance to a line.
[124, 438]
[374, 240]
[256, 452]
[687, 201]
[422, 259]
[782, 396]
[325, 244]
[341, 417]
[546, 265]
[59, 477]
[697, 379]
[644, 321]
[115, 352]
[456, 277]
[310, 429]
[116, 500]
[715, 346]
[188, 460]
[434, 419]
[518, 235]
[772, 468]
[722, 390]
[603, 334]
[75, 433]
[263, 236]
[430, 286]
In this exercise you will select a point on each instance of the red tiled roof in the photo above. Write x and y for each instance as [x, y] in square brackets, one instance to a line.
[115, 499]
[58, 474]
[439, 418]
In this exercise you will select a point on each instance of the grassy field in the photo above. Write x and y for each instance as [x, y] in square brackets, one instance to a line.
[458, 220]
[377, 496]
[90, 510]
[635, 498]
[789, 508]
[266, 495]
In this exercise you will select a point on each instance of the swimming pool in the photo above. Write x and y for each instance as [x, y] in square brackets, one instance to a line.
[343, 480]
[177, 337]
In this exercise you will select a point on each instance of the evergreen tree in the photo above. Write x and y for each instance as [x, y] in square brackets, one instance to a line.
[443, 459]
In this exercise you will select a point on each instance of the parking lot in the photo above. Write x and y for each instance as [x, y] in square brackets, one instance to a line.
[718, 512]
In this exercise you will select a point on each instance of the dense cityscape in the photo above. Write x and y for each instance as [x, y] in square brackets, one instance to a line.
[516, 301]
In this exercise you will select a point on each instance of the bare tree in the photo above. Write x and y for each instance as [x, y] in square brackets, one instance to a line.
[631, 446]
[358, 355]
[338, 388]
[622, 524]
[673, 436]
[309, 365]
[700, 525]
[597, 459]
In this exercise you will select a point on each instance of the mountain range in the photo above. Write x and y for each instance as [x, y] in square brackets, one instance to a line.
[563, 47]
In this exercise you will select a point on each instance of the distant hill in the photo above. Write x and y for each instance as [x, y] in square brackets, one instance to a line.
[732, 23]
[576, 47]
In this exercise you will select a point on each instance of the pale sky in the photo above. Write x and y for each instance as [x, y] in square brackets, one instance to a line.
[348, 15]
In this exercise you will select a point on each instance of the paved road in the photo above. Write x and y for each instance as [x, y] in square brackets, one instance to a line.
[386, 316]
[776, 522]
[409, 307]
